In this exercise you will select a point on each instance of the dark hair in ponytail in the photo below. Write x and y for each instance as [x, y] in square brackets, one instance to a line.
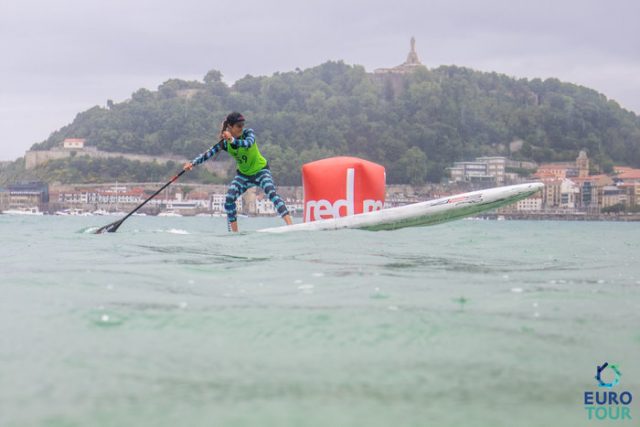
[224, 127]
[231, 120]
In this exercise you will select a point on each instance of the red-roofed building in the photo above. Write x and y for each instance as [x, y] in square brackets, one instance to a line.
[577, 169]
[628, 180]
[553, 170]
[628, 175]
[621, 169]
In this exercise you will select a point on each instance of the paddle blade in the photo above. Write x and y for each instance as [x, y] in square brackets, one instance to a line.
[110, 228]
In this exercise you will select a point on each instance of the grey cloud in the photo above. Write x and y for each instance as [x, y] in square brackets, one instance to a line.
[68, 55]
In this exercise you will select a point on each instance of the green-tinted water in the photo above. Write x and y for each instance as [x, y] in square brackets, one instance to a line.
[173, 322]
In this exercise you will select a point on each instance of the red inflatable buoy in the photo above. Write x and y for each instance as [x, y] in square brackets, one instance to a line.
[342, 186]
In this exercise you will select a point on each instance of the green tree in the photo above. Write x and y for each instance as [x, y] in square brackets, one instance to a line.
[414, 163]
[213, 76]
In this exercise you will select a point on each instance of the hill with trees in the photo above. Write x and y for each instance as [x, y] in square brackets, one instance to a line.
[415, 125]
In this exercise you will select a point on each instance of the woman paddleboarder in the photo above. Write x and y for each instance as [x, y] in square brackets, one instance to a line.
[252, 167]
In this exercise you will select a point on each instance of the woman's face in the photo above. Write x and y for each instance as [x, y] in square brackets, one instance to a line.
[236, 130]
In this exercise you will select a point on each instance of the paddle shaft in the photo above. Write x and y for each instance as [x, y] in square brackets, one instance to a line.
[111, 228]
[174, 179]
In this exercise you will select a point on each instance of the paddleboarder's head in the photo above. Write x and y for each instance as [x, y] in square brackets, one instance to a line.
[234, 123]
[235, 118]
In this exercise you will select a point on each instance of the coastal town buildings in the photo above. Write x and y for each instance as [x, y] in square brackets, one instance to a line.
[217, 202]
[569, 189]
[24, 195]
[613, 195]
[530, 204]
[119, 197]
[264, 206]
[561, 170]
[496, 167]
[471, 171]
[569, 194]
[490, 171]
[568, 185]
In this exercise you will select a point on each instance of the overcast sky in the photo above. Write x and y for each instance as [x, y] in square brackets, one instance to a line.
[61, 57]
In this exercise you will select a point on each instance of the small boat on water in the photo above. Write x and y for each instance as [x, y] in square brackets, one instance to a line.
[73, 212]
[23, 211]
[169, 213]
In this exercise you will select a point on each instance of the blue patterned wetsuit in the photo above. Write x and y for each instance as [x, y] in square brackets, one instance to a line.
[253, 170]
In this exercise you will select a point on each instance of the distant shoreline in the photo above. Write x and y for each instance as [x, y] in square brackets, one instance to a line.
[542, 216]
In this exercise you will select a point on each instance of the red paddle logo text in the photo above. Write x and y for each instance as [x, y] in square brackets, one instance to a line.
[324, 209]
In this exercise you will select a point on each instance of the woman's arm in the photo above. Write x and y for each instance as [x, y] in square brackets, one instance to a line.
[206, 155]
[246, 141]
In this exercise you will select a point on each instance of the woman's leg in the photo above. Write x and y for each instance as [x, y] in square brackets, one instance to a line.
[237, 187]
[265, 181]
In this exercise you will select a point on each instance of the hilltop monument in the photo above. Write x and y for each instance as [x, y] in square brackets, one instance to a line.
[407, 66]
[412, 58]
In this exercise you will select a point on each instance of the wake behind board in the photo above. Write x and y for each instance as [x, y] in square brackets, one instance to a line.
[423, 213]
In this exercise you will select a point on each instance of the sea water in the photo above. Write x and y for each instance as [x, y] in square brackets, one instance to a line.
[175, 322]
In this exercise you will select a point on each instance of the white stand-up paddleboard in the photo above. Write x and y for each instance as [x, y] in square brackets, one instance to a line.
[423, 213]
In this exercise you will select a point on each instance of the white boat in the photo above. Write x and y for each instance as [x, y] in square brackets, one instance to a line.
[73, 212]
[422, 213]
[169, 213]
[23, 211]
[212, 215]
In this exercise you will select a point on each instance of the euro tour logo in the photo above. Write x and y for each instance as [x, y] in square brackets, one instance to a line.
[607, 404]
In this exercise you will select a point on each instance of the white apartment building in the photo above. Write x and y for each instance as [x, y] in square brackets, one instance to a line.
[264, 207]
[530, 204]
[495, 167]
[483, 169]
[569, 192]
[217, 203]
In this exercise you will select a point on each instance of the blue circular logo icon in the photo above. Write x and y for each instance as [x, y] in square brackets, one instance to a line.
[599, 371]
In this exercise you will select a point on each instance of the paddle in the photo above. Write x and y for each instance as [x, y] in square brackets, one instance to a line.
[111, 228]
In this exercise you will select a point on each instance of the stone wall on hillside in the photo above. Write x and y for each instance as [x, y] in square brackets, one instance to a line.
[34, 159]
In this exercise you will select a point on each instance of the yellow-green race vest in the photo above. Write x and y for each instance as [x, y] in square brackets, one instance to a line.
[249, 160]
